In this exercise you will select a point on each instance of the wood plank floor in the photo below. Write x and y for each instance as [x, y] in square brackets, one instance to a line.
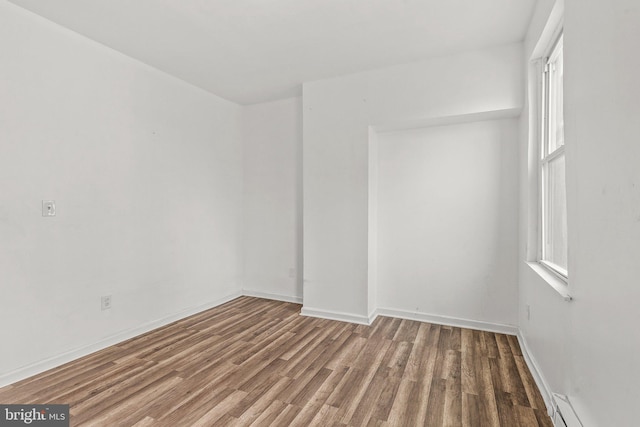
[258, 362]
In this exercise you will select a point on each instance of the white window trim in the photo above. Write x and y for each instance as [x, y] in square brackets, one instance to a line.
[552, 279]
[557, 272]
[548, 36]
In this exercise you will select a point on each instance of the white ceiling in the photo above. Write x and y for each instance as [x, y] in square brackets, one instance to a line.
[251, 51]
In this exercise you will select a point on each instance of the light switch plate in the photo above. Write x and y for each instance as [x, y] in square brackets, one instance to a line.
[48, 208]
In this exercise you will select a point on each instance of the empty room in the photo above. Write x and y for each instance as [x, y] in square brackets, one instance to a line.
[319, 212]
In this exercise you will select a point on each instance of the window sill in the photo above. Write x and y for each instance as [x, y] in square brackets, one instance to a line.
[559, 285]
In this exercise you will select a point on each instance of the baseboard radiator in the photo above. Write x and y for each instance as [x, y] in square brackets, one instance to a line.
[563, 413]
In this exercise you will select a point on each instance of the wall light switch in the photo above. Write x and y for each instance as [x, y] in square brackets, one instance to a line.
[48, 208]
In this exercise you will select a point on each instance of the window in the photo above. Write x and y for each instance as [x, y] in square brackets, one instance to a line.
[553, 189]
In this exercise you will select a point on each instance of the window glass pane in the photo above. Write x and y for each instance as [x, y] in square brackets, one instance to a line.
[556, 221]
[556, 113]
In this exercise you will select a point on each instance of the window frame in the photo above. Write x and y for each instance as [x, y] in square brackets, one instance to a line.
[545, 158]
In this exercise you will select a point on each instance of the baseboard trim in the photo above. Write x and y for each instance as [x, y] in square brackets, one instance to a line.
[61, 359]
[335, 315]
[372, 316]
[448, 321]
[540, 380]
[402, 314]
[268, 295]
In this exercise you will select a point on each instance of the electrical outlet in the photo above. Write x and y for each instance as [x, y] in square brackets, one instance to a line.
[105, 302]
[528, 312]
[48, 208]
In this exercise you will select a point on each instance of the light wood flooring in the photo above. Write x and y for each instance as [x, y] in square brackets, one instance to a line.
[258, 362]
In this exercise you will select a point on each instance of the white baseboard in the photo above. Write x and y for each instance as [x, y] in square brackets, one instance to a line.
[448, 321]
[372, 316]
[566, 413]
[335, 315]
[267, 295]
[61, 359]
[402, 314]
[541, 382]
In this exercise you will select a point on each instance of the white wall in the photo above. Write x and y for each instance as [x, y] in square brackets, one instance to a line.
[146, 173]
[337, 114]
[603, 93]
[597, 363]
[272, 199]
[447, 221]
